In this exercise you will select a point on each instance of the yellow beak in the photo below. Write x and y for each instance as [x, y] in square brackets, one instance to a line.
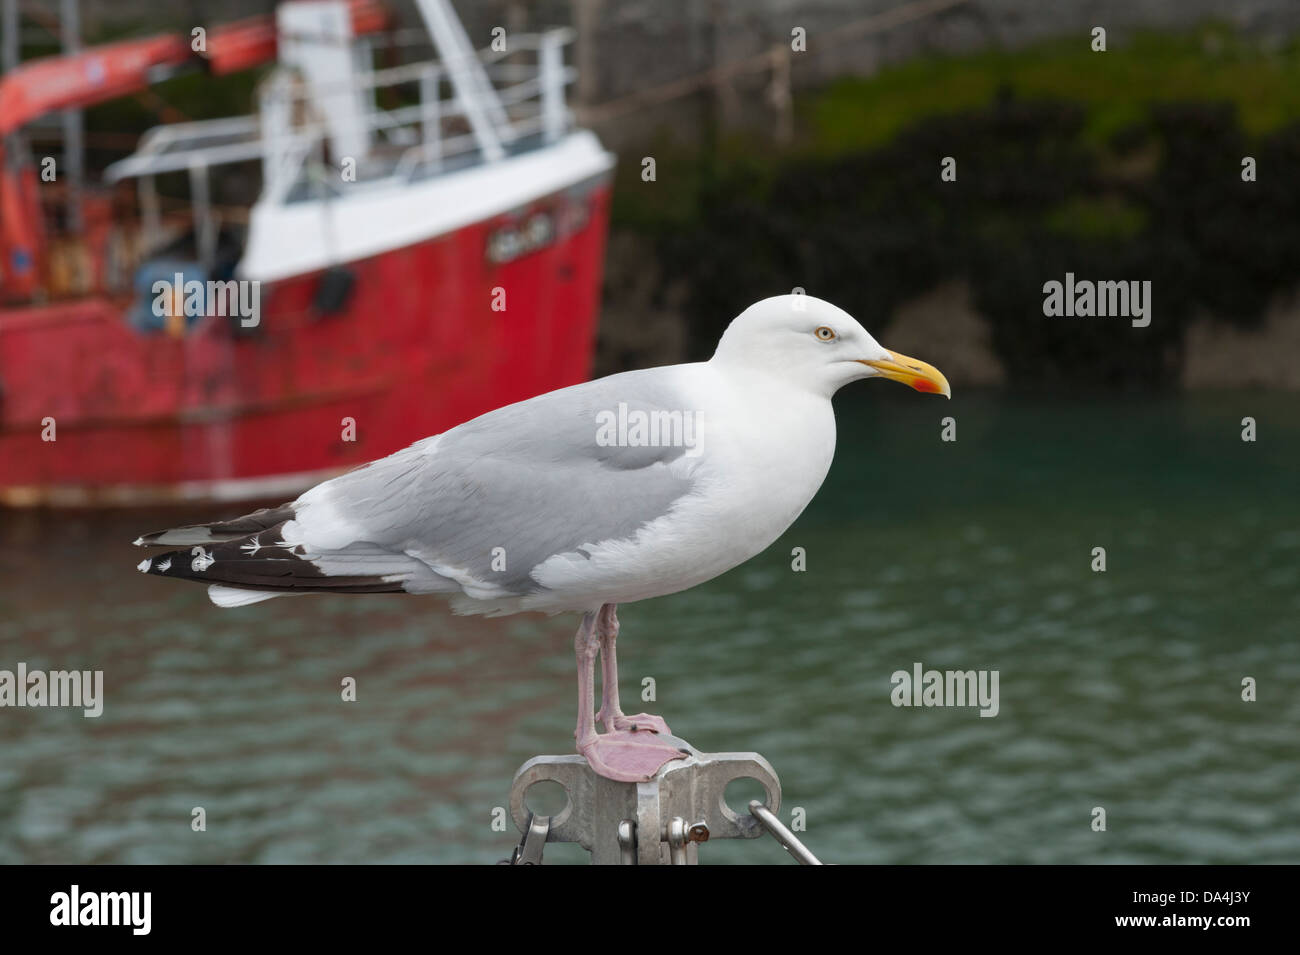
[912, 372]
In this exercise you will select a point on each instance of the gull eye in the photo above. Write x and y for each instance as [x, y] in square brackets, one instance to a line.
[825, 333]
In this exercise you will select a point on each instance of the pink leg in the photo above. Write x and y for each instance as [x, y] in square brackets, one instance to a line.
[611, 713]
[586, 645]
[624, 755]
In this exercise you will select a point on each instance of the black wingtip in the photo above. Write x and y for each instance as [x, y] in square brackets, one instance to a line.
[216, 532]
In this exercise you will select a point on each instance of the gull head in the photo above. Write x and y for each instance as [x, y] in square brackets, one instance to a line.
[812, 343]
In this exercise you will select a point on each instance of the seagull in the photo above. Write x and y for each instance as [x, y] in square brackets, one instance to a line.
[624, 488]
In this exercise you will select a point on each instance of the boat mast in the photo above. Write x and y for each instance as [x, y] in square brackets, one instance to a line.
[474, 91]
[72, 172]
[9, 41]
[73, 148]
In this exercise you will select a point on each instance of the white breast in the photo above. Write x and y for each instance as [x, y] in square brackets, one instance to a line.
[764, 450]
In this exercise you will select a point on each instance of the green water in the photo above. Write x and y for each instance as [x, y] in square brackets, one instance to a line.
[1119, 690]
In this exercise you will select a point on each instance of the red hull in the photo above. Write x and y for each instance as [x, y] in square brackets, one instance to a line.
[416, 349]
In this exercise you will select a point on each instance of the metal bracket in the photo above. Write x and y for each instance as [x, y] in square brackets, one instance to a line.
[529, 851]
[660, 822]
[777, 830]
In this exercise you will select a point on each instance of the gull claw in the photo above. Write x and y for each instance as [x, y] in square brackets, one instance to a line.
[642, 722]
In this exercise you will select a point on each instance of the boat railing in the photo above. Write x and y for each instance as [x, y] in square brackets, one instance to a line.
[451, 113]
[527, 102]
[288, 129]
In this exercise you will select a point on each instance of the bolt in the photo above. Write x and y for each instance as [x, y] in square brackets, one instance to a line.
[697, 833]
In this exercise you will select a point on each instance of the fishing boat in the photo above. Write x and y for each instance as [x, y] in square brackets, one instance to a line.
[423, 243]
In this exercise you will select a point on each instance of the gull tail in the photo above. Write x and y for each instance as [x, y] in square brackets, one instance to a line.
[256, 567]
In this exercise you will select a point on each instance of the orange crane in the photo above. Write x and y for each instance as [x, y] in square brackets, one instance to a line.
[101, 73]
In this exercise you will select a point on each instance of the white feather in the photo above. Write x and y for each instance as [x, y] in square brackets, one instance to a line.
[237, 597]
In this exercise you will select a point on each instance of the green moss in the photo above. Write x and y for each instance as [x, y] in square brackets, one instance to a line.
[1211, 62]
[1097, 217]
[1115, 91]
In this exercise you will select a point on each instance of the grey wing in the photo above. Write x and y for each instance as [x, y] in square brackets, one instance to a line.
[485, 503]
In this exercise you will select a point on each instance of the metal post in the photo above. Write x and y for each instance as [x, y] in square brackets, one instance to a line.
[204, 238]
[431, 115]
[276, 115]
[73, 150]
[10, 46]
[149, 213]
[550, 74]
[363, 53]
[776, 828]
